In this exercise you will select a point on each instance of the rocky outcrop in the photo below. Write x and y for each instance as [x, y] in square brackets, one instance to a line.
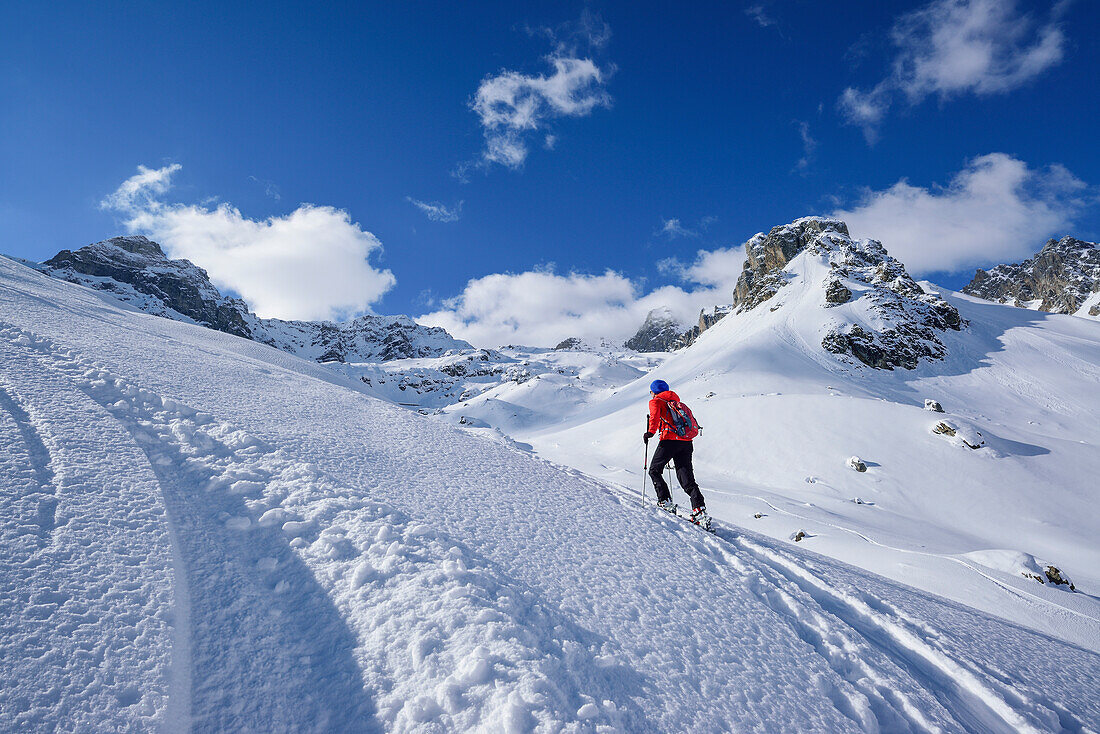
[766, 255]
[1063, 277]
[836, 294]
[572, 343]
[657, 334]
[136, 270]
[888, 320]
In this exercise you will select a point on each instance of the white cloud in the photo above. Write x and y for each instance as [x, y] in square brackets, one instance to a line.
[436, 211]
[512, 106]
[541, 307]
[760, 14]
[141, 189]
[672, 228]
[809, 146]
[309, 264]
[995, 210]
[952, 47]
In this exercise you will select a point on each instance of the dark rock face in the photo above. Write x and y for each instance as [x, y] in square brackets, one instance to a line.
[836, 294]
[767, 255]
[1058, 279]
[570, 343]
[659, 332]
[136, 270]
[170, 285]
[909, 318]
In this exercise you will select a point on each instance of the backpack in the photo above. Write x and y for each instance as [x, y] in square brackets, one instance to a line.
[681, 420]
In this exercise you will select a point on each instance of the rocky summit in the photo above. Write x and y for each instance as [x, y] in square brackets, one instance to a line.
[1063, 277]
[880, 316]
[658, 334]
[136, 270]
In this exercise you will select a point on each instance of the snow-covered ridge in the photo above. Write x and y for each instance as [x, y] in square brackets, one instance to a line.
[136, 270]
[1063, 277]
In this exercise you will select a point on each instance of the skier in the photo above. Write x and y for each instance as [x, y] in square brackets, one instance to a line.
[666, 417]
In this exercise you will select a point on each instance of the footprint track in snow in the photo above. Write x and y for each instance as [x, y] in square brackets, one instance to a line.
[245, 555]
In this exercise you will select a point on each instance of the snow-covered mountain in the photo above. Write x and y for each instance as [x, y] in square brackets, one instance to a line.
[198, 531]
[882, 317]
[658, 333]
[136, 270]
[1063, 277]
[783, 414]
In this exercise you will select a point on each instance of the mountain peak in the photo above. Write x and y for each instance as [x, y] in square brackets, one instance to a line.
[767, 254]
[136, 244]
[876, 312]
[658, 333]
[1063, 277]
[136, 270]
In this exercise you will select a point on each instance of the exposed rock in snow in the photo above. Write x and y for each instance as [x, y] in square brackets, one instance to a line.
[836, 294]
[136, 270]
[659, 332]
[969, 437]
[898, 321]
[570, 343]
[932, 405]
[768, 254]
[365, 339]
[1063, 277]
[1055, 577]
[856, 463]
[1024, 564]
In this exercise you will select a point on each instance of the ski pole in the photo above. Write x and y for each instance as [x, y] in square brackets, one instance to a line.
[645, 468]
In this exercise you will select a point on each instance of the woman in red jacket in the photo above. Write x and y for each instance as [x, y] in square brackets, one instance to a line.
[674, 446]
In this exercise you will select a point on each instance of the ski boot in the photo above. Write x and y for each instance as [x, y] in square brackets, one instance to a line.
[700, 517]
[667, 506]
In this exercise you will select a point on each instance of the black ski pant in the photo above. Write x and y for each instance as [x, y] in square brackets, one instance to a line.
[680, 453]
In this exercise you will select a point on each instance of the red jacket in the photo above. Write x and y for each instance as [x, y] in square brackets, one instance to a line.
[658, 420]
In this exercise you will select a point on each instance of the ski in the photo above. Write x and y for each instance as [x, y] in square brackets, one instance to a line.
[705, 524]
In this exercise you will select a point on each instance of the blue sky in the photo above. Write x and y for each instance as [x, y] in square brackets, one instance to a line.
[654, 141]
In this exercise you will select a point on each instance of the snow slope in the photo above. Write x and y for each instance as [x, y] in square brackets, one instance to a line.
[203, 532]
[781, 417]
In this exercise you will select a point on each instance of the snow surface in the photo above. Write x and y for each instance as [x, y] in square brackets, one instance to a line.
[781, 418]
[203, 532]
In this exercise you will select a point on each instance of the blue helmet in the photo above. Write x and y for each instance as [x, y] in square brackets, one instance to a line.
[658, 386]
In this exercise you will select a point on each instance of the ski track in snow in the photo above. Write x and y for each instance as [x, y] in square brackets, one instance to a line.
[86, 586]
[269, 651]
[302, 604]
[1049, 606]
[873, 645]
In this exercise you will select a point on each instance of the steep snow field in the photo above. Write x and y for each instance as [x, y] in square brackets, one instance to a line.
[781, 417]
[203, 532]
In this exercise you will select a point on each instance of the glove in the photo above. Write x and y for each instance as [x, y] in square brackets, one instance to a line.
[646, 436]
